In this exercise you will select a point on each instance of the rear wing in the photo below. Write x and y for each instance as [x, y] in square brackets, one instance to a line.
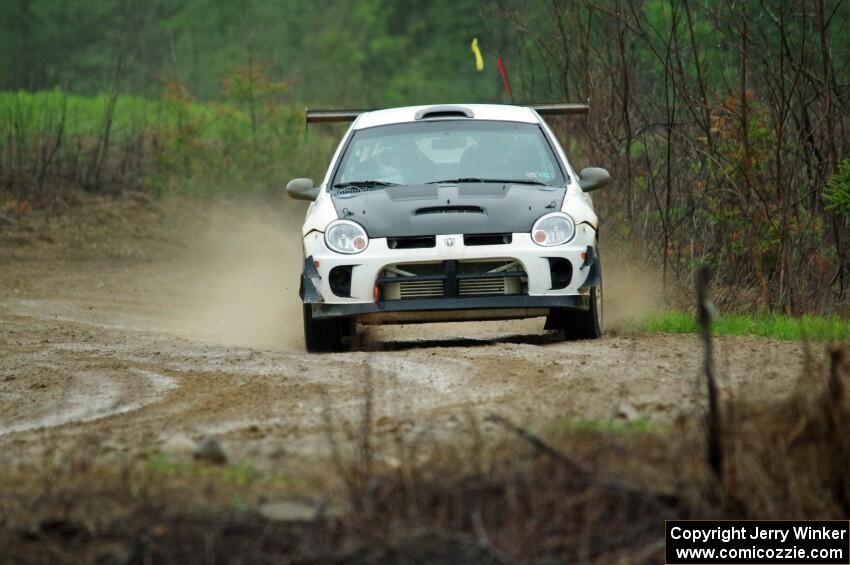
[561, 109]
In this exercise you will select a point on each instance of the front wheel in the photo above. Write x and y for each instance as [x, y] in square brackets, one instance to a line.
[321, 336]
[582, 324]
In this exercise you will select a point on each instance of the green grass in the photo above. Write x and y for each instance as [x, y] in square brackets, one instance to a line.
[815, 328]
[174, 143]
[41, 112]
[239, 474]
[84, 115]
[159, 463]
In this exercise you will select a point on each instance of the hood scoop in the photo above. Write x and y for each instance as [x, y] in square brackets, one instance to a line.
[449, 210]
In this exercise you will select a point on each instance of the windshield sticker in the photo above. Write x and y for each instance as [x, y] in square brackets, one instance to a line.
[543, 175]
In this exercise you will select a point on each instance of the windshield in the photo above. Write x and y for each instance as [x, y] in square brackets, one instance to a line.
[449, 150]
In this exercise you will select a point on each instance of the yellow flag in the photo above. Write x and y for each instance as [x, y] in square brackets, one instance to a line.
[479, 60]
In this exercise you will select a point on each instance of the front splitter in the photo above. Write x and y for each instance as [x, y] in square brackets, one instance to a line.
[490, 303]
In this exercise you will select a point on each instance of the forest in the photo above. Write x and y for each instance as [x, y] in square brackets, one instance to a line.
[159, 400]
[725, 124]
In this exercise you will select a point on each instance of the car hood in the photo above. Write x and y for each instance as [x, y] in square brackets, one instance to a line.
[436, 209]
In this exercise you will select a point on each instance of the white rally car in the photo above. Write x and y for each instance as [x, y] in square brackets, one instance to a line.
[449, 213]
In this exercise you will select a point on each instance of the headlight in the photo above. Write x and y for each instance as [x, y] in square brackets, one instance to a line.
[553, 229]
[345, 236]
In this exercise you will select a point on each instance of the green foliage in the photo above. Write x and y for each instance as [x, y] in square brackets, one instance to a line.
[838, 189]
[159, 463]
[370, 52]
[816, 328]
[240, 474]
[250, 141]
[41, 112]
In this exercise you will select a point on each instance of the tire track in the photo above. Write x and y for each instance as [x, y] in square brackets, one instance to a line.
[95, 395]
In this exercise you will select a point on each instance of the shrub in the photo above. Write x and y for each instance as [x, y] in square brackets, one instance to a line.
[838, 189]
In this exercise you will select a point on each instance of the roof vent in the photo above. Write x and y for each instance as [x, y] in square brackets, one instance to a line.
[436, 112]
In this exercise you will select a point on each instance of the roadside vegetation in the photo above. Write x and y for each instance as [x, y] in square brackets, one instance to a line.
[777, 326]
[246, 143]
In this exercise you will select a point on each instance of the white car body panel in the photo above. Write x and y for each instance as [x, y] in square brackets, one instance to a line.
[480, 112]
[370, 262]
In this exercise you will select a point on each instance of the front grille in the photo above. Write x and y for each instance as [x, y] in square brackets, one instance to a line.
[453, 279]
[417, 242]
[487, 239]
[482, 287]
[420, 289]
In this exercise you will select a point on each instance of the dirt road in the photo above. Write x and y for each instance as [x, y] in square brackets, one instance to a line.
[132, 326]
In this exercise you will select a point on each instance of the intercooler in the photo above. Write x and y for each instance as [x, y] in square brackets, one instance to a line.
[443, 279]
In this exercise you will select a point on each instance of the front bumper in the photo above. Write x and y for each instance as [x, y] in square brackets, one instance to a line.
[541, 293]
[449, 309]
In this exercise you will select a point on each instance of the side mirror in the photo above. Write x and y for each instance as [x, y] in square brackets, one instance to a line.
[302, 189]
[593, 178]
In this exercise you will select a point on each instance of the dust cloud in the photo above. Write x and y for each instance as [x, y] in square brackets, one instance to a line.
[632, 289]
[241, 276]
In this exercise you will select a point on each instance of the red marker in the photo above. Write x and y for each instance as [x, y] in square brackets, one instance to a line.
[504, 72]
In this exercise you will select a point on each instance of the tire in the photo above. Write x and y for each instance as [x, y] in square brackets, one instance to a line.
[323, 336]
[579, 324]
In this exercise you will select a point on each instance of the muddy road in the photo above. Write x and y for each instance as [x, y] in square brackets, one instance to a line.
[132, 326]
